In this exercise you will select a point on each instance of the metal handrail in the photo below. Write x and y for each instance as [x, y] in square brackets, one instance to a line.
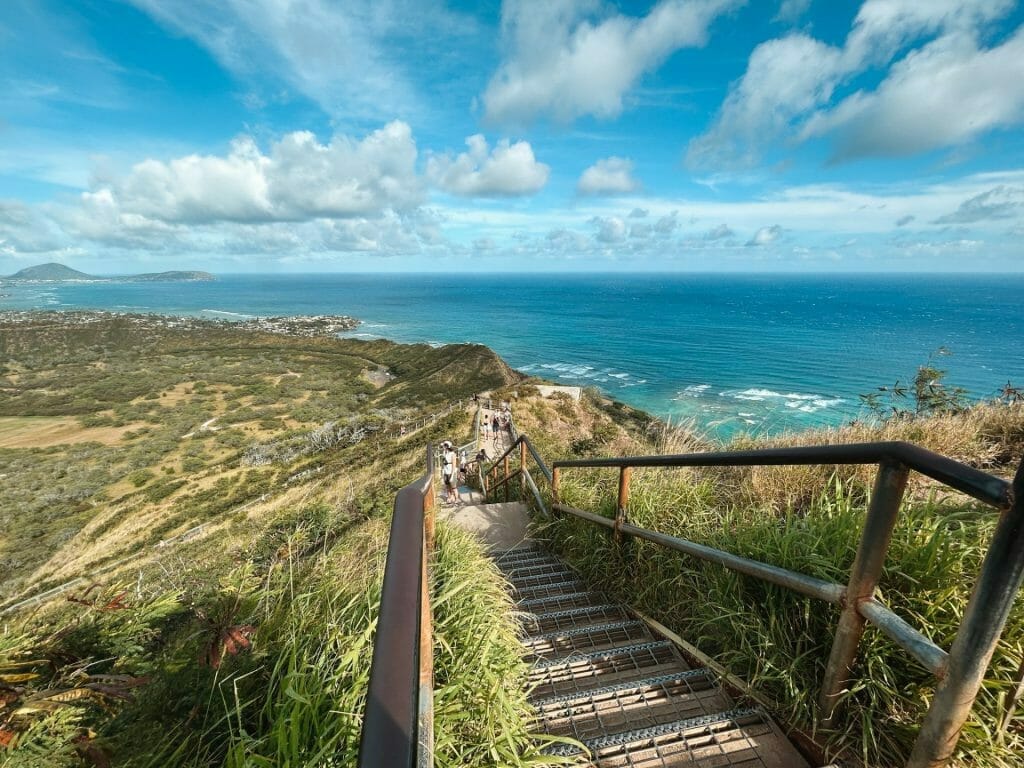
[960, 671]
[398, 723]
[396, 717]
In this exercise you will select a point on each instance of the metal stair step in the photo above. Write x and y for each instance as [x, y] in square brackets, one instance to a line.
[547, 590]
[739, 737]
[561, 601]
[523, 571]
[587, 671]
[520, 556]
[538, 579]
[585, 639]
[633, 705]
[538, 623]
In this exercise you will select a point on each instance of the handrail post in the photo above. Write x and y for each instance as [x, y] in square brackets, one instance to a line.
[505, 463]
[625, 473]
[556, 484]
[522, 468]
[1001, 574]
[890, 483]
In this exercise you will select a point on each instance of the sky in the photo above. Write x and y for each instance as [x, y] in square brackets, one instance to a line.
[559, 135]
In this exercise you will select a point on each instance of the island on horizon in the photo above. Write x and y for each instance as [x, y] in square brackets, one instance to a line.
[54, 272]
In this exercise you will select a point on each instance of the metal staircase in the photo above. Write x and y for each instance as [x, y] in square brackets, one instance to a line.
[605, 679]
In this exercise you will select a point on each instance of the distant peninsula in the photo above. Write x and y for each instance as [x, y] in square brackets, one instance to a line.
[54, 272]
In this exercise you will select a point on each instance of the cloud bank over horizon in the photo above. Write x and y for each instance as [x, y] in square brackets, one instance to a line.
[573, 134]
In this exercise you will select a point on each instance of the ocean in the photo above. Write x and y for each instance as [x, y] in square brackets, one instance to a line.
[731, 353]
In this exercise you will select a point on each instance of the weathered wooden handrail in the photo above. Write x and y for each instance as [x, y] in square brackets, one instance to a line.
[398, 724]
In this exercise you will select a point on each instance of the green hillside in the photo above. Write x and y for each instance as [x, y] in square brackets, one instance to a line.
[51, 271]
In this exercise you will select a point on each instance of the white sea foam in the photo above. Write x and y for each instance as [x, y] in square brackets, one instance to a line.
[577, 371]
[799, 401]
[224, 312]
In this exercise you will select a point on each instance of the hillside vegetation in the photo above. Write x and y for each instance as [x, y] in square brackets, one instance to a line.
[224, 498]
[807, 519]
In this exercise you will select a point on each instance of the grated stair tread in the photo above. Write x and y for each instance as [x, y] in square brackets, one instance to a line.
[562, 601]
[586, 671]
[634, 705]
[540, 623]
[745, 738]
[585, 639]
[548, 590]
[600, 677]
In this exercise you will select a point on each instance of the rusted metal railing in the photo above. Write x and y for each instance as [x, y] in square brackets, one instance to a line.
[960, 671]
[399, 721]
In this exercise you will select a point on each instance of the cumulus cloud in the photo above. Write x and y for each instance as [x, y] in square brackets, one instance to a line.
[765, 235]
[610, 229]
[946, 93]
[720, 232]
[1002, 202]
[25, 232]
[567, 60]
[790, 82]
[791, 11]
[299, 196]
[507, 170]
[612, 175]
[298, 179]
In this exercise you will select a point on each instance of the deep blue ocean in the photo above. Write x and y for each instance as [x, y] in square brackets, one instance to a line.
[759, 353]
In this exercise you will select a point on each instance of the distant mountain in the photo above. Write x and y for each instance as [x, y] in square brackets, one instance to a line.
[55, 272]
[158, 277]
[51, 271]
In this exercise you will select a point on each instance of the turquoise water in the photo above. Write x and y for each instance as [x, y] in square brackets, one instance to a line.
[760, 353]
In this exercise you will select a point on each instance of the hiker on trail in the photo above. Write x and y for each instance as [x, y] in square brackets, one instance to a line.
[448, 472]
[495, 427]
[485, 425]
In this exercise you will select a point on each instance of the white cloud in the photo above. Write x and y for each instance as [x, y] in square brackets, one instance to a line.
[610, 230]
[1002, 202]
[24, 231]
[507, 170]
[720, 232]
[612, 175]
[789, 84]
[299, 178]
[946, 93]
[790, 11]
[351, 58]
[766, 235]
[566, 61]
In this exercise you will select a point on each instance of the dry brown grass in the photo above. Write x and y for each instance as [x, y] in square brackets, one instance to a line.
[989, 436]
[45, 431]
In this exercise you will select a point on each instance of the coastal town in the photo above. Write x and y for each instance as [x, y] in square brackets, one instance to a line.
[300, 325]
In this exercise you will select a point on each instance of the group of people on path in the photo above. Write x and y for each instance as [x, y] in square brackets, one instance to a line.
[455, 468]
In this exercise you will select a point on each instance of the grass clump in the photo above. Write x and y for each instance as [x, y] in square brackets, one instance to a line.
[810, 520]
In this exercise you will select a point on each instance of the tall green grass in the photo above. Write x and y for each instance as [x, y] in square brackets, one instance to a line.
[780, 641]
[296, 697]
